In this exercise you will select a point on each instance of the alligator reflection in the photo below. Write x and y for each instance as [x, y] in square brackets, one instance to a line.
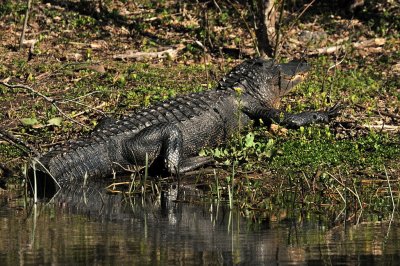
[87, 225]
[171, 231]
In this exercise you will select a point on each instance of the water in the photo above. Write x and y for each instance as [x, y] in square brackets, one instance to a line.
[94, 228]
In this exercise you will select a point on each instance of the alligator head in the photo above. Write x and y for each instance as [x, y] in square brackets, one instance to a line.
[265, 80]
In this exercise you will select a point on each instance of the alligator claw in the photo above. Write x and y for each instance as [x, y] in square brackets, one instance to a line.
[334, 111]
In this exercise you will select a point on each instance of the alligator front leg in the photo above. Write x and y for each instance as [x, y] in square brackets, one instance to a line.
[161, 141]
[293, 120]
[193, 163]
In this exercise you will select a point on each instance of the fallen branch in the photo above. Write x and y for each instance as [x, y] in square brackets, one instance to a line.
[347, 125]
[170, 52]
[369, 43]
[383, 128]
[356, 45]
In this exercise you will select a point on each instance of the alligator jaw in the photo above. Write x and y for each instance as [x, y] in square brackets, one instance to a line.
[291, 74]
[288, 83]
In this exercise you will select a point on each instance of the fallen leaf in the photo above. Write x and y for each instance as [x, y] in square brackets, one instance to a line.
[56, 121]
[396, 69]
[36, 126]
[98, 68]
[29, 121]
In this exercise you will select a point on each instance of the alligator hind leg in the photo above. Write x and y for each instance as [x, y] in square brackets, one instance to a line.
[162, 142]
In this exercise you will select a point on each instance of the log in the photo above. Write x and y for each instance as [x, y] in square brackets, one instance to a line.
[167, 52]
[356, 45]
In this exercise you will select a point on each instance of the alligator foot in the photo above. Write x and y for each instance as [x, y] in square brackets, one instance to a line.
[311, 117]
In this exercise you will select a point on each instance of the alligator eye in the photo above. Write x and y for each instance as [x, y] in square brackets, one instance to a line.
[315, 117]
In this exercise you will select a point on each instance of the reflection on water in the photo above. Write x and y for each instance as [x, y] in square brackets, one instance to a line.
[98, 228]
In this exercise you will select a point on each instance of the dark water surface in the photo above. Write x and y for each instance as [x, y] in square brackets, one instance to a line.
[94, 228]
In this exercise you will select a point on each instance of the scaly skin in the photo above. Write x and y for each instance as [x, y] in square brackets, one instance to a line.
[172, 132]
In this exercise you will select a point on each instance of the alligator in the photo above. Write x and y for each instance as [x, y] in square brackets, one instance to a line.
[171, 133]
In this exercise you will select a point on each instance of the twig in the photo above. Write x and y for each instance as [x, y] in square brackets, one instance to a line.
[68, 117]
[305, 178]
[24, 147]
[296, 20]
[137, 168]
[301, 14]
[36, 161]
[254, 39]
[354, 192]
[117, 184]
[79, 97]
[340, 194]
[343, 185]
[217, 6]
[35, 191]
[359, 202]
[334, 66]
[394, 116]
[389, 226]
[278, 31]
[22, 38]
[89, 108]
[337, 63]
[390, 188]
[21, 86]
[47, 98]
